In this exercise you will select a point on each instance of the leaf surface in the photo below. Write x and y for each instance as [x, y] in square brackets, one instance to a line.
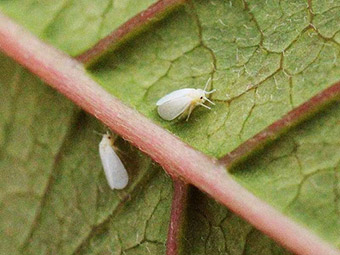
[265, 59]
[54, 195]
[300, 174]
[73, 26]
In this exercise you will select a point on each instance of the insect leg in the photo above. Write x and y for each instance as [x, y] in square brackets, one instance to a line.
[191, 107]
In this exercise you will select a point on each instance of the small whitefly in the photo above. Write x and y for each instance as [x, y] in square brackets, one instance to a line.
[182, 102]
[115, 172]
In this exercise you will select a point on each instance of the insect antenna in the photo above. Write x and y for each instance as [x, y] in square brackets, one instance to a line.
[206, 85]
[209, 92]
[98, 133]
[207, 99]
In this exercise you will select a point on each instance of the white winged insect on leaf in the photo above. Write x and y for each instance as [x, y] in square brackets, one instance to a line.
[182, 102]
[115, 172]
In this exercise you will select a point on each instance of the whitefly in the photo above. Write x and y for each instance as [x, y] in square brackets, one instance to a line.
[115, 172]
[182, 102]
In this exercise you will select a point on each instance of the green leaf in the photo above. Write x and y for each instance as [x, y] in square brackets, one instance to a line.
[54, 196]
[300, 174]
[267, 61]
[73, 26]
[255, 84]
[215, 230]
[265, 57]
[53, 193]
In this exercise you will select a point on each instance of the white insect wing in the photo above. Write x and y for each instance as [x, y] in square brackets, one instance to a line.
[114, 169]
[172, 108]
[175, 94]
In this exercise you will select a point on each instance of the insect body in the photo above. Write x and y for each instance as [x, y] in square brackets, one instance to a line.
[182, 102]
[115, 172]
